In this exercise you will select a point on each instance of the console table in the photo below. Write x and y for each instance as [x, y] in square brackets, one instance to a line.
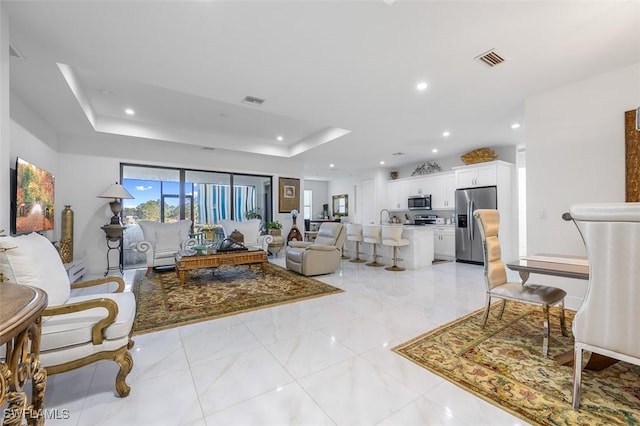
[21, 309]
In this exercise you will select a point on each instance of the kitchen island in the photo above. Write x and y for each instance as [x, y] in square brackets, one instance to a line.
[418, 254]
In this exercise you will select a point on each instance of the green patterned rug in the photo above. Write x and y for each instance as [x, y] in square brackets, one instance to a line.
[503, 365]
[162, 302]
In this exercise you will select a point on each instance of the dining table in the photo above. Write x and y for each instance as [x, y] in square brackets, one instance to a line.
[566, 266]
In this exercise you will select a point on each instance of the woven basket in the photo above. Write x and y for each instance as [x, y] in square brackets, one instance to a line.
[479, 155]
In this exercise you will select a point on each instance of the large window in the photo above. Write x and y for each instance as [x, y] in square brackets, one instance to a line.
[308, 204]
[170, 194]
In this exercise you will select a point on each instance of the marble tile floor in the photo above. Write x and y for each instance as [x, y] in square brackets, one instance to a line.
[325, 361]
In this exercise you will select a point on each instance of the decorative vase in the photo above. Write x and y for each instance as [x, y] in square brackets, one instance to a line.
[275, 232]
[66, 235]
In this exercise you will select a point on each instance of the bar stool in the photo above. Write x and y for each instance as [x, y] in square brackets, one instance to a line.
[354, 233]
[392, 236]
[372, 234]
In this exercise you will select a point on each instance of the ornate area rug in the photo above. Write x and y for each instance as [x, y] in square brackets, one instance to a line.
[503, 365]
[163, 302]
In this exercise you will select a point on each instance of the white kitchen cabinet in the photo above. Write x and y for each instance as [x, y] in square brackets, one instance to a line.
[443, 190]
[450, 186]
[477, 175]
[444, 242]
[397, 195]
[418, 186]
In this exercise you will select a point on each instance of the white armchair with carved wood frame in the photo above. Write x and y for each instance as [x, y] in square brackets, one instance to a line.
[163, 240]
[76, 330]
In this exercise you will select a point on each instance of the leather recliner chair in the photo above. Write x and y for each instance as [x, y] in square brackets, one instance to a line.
[321, 256]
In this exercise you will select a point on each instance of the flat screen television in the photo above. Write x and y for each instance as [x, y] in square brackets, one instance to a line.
[34, 196]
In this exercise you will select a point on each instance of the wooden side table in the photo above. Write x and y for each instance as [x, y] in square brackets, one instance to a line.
[21, 309]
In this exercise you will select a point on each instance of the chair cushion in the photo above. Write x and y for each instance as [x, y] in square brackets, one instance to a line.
[166, 231]
[32, 260]
[533, 293]
[329, 232]
[75, 328]
[250, 229]
[168, 239]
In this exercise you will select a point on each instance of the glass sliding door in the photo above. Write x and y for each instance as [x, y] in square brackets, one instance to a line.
[205, 197]
[156, 193]
[252, 198]
[211, 196]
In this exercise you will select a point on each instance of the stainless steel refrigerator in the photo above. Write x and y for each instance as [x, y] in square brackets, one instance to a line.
[468, 240]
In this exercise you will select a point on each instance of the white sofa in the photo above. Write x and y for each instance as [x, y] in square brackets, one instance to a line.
[250, 229]
[163, 240]
[76, 330]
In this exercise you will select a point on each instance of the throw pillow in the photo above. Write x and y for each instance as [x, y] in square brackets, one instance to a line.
[32, 260]
[168, 239]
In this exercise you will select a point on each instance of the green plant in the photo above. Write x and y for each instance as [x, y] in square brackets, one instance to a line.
[253, 214]
[274, 225]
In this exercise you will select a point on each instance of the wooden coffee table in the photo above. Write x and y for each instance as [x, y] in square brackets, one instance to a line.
[188, 262]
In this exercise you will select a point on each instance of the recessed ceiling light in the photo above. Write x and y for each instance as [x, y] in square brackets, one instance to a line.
[434, 150]
[446, 133]
[129, 111]
[382, 162]
[331, 165]
[421, 86]
[280, 138]
[515, 126]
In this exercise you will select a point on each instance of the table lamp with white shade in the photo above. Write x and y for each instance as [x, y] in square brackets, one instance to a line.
[117, 192]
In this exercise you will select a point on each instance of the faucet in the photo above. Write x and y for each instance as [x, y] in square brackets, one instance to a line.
[388, 214]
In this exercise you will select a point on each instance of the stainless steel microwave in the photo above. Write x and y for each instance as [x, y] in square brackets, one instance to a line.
[419, 202]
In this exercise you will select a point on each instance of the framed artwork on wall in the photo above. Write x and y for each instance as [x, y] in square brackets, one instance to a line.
[632, 156]
[288, 194]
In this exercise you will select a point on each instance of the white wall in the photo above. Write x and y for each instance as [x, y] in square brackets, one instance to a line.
[320, 192]
[575, 154]
[5, 121]
[28, 147]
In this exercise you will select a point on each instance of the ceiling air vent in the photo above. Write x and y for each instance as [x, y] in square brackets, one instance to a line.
[490, 58]
[252, 100]
[15, 53]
